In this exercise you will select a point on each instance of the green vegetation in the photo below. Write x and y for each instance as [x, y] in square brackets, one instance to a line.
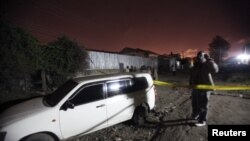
[22, 55]
[61, 59]
[218, 49]
[18, 53]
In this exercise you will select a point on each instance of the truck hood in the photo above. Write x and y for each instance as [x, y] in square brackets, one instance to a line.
[25, 109]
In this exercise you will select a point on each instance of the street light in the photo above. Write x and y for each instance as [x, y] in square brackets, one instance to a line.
[244, 58]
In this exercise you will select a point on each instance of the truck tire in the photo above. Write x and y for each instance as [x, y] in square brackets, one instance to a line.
[140, 115]
[39, 137]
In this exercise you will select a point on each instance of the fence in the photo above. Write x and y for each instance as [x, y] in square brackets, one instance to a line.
[103, 60]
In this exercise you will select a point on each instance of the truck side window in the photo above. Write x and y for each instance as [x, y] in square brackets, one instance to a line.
[118, 87]
[139, 83]
[88, 94]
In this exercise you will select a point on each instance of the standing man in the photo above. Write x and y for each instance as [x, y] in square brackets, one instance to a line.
[127, 69]
[201, 74]
[173, 69]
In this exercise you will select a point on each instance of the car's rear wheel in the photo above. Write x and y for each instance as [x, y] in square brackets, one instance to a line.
[39, 137]
[140, 115]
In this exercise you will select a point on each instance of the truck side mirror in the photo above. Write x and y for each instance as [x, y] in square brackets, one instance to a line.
[67, 105]
[70, 105]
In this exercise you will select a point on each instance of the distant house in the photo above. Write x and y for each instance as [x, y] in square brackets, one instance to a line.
[138, 52]
[104, 51]
[166, 61]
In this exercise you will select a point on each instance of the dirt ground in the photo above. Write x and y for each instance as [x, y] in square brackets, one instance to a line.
[170, 119]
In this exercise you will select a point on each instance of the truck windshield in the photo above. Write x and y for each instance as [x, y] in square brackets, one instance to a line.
[55, 97]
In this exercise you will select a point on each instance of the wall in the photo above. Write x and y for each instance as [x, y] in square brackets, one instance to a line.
[104, 61]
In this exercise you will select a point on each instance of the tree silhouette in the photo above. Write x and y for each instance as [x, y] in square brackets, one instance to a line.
[17, 54]
[21, 55]
[218, 49]
[61, 59]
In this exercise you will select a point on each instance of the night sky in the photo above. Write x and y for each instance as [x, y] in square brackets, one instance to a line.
[159, 26]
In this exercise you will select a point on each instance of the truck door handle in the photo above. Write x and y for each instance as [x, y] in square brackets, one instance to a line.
[100, 105]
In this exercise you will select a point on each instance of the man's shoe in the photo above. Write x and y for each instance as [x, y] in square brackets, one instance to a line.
[199, 124]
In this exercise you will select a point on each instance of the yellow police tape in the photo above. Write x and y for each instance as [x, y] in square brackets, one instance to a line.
[204, 87]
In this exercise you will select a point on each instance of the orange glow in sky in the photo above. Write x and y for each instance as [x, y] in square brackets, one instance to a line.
[160, 26]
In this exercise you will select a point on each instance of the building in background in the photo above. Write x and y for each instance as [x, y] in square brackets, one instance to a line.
[165, 62]
[138, 52]
[113, 62]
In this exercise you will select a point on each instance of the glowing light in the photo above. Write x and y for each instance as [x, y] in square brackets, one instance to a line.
[243, 57]
[114, 87]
